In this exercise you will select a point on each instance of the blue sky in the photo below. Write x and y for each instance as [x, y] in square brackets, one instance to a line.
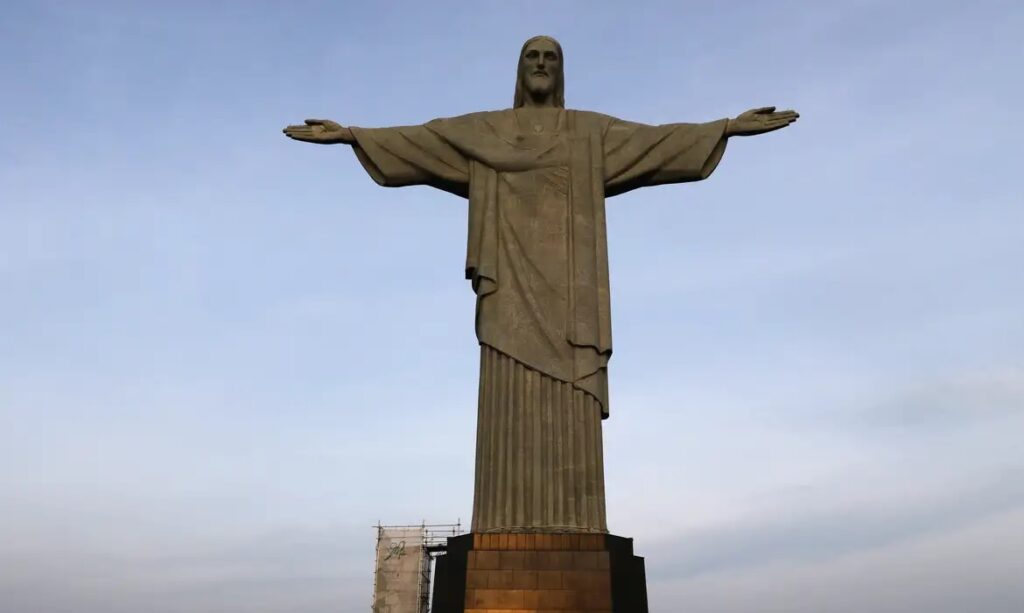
[225, 355]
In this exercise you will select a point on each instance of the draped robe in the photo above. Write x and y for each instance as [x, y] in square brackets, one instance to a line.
[538, 261]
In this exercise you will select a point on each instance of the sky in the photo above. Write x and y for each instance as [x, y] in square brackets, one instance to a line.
[225, 356]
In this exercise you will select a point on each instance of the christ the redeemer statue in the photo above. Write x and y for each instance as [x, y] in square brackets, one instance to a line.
[536, 177]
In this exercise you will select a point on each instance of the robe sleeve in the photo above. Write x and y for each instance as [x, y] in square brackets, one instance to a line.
[638, 155]
[412, 155]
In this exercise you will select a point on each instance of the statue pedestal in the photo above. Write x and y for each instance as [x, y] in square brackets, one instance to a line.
[492, 573]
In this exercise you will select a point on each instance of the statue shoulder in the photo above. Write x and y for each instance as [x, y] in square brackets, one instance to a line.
[590, 115]
[476, 117]
[472, 121]
[591, 119]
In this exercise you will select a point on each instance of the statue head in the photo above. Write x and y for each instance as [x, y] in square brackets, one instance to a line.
[540, 76]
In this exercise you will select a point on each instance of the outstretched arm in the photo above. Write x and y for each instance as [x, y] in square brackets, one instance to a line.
[393, 157]
[321, 132]
[760, 121]
[639, 155]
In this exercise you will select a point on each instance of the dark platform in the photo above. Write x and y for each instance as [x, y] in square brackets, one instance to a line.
[581, 573]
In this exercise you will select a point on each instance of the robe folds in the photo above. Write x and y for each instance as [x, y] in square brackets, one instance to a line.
[537, 252]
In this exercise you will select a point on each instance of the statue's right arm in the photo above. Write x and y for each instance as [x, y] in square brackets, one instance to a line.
[396, 156]
[760, 121]
[321, 132]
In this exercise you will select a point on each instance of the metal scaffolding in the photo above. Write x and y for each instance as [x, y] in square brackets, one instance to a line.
[402, 574]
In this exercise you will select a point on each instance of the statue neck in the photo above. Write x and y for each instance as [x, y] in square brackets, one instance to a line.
[540, 100]
[548, 102]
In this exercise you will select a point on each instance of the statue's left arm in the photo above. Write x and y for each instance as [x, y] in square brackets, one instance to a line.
[639, 155]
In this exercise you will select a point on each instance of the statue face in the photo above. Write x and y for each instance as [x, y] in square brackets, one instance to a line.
[540, 68]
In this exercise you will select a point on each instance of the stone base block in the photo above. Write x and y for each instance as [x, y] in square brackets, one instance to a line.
[542, 573]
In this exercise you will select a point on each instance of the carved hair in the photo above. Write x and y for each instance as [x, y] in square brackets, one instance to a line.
[559, 93]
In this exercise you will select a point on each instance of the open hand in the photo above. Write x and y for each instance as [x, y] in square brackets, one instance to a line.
[320, 131]
[759, 121]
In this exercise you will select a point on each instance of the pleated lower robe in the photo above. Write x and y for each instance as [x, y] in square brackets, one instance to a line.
[539, 455]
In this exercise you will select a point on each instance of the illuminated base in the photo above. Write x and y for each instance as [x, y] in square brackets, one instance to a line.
[491, 573]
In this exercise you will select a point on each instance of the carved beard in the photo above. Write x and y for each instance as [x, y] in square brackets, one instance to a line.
[539, 85]
[559, 76]
[553, 87]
